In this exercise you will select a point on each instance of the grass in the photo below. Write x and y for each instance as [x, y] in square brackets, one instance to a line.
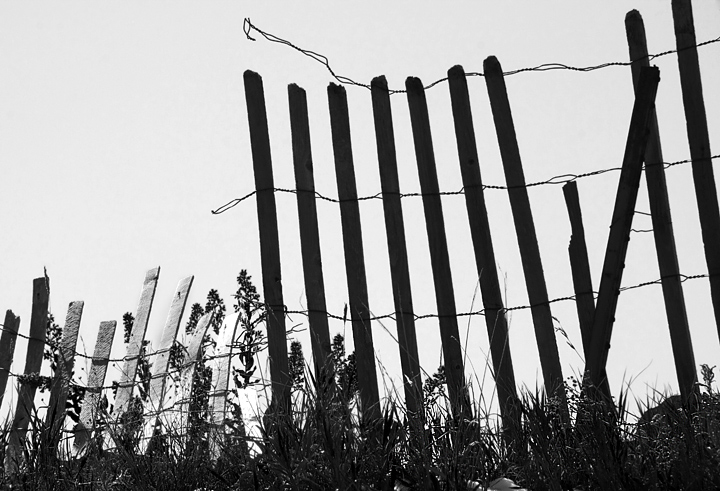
[324, 444]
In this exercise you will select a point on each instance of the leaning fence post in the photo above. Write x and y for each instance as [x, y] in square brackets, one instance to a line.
[663, 230]
[699, 142]
[525, 230]
[621, 224]
[397, 248]
[96, 379]
[495, 318]
[33, 363]
[354, 256]
[127, 377]
[439, 258]
[55, 416]
[7, 349]
[269, 242]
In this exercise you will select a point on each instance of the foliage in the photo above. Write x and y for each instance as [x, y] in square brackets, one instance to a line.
[345, 367]
[296, 365]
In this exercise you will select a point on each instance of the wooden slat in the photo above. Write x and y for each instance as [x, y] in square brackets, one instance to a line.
[217, 402]
[439, 257]
[663, 229]
[354, 256]
[269, 242]
[7, 349]
[33, 362]
[187, 374]
[397, 247]
[495, 318]
[699, 142]
[524, 228]
[309, 235]
[161, 361]
[621, 224]
[55, 416]
[96, 379]
[137, 336]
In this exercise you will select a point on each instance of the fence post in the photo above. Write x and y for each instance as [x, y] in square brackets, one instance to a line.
[699, 142]
[525, 230]
[354, 256]
[219, 387]
[663, 229]
[435, 224]
[397, 248]
[127, 377]
[33, 363]
[7, 348]
[269, 243]
[495, 318]
[621, 223]
[309, 236]
[156, 399]
[96, 379]
[55, 416]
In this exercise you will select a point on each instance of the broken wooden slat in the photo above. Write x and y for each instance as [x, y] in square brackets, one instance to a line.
[33, 362]
[354, 255]
[132, 358]
[397, 247]
[439, 257]
[621, 224]
[495, 318]
[7, 348]
[217, 402]
[663, 230]
[187, 374]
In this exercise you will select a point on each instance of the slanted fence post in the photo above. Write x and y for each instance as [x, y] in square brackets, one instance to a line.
[354, 256]
[621, 224]
[33, 363]
[663, 230]
[7, 349]
[269, 242]
[495, 318]
[439, 257]
[96, 378]
[55, 416]
[525, 230]
[397, 248]
[309, 235]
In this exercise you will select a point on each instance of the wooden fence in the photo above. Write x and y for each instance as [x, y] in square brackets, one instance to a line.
[595, 317]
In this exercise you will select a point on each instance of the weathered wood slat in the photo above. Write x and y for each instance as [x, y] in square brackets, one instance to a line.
[397, 247]
[621, 223]
[309, 235]
[354, 256]
[161, 363]
[524, 228]
[269, 242]
[96, 379]
[187, 374]
[217, 402]
[33, 363]
[55, 416]
[439, 257]
[699, 142]
[137, 336]
[663, 229]
[495, 318]
[7, 348]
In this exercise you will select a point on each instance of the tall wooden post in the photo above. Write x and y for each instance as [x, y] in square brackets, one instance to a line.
[699, 141]
[495, 318]
[525, 230]
[439, 257]
[269, 242]
[309, 235]
[354, 256]
[621, 224]
[663, 229]
[397, 247]
[7, 348]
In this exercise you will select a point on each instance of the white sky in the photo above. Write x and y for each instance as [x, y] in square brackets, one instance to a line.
[123, 124]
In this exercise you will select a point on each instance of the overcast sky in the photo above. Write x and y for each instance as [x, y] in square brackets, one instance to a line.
[122, 124]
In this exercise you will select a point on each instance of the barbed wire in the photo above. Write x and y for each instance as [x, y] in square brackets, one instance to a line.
[555, 180]
[248, 27]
